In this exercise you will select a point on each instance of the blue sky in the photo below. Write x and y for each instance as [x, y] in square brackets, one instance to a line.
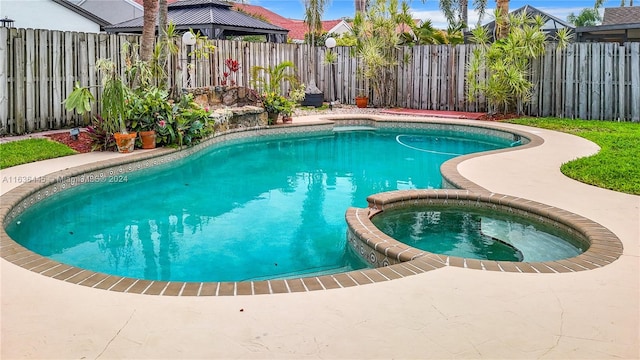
[429, 9]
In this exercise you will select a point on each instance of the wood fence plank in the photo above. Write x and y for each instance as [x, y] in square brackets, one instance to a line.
[443, 75]
[30, 86]
[433, 50]
[92, 56]
[621, 83]
[57, 75]
[558, 84]
[635, 80]
[69, 71]
[547, 81]
[607, 82]
[583, 81]
[569, 75]
[19, 98]
[44, 92]
[83, 66]
[462, 70]
[595, 92]
[425, 79]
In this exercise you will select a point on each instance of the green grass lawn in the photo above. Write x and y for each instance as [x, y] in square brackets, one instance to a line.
[25, 151]
[615, 167]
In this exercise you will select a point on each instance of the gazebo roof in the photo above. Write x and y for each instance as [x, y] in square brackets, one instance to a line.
[214, 18]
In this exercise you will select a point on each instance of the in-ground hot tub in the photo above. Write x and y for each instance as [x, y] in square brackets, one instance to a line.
[477, 230]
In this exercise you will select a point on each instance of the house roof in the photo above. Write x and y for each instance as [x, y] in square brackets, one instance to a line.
[82, 12]
[205, 14]
[551, 25]
[113, 11]
[532, 11]
[297, 28]
[621, 15]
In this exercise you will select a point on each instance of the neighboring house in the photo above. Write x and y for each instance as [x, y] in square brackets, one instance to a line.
[620, 24]
[550, 27]
[214, 18]
[51, 15]
[297, 28]
[114, 11]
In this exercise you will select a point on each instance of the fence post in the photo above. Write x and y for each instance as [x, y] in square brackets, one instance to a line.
[4, 81]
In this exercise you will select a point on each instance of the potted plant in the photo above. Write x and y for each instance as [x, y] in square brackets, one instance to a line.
[295, 96]
[269, 80]
[273, 104]
[147, 108]
[113, 106]
[287, 112]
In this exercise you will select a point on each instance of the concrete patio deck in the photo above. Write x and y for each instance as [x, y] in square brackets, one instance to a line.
[446, 313]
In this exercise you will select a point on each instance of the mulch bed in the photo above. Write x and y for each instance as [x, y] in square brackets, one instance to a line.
[82, 145]
[499, 117]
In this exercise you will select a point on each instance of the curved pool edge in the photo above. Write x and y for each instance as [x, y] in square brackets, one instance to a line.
[27, 194]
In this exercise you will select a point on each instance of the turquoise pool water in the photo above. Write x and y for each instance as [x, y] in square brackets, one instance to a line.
[477, 233]
[259, 208]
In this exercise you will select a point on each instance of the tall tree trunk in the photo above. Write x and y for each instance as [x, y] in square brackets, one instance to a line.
[162, 19]
[148, 29]
[464, 12]
[502, 23]
[361, 5]
[164, 49]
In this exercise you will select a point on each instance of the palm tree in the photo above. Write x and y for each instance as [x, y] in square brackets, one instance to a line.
[150, 8]
[361, 6]
[457, 11]
[314, 9]
[502, 19]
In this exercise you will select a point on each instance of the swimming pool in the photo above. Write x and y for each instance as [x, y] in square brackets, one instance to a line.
[250, 208]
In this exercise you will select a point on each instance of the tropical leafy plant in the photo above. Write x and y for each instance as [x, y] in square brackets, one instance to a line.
[79, 99]
[101, 138]
[147, 107]
[376, 31]
[274, 103]
[508, 63]
[192, 121]
[114, 93]
[270, 79]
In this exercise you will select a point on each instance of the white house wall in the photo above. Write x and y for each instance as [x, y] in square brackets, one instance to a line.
[45, 14]
[114, 11]
[341, 28]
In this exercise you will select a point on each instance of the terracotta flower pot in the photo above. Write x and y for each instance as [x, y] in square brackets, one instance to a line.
[287, 119]
[125, 142]
[148, 139]
[362, 101]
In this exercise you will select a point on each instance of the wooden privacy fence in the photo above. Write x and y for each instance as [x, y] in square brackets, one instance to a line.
[38, 69]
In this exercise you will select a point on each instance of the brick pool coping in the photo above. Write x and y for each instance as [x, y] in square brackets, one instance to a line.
[605, 246]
